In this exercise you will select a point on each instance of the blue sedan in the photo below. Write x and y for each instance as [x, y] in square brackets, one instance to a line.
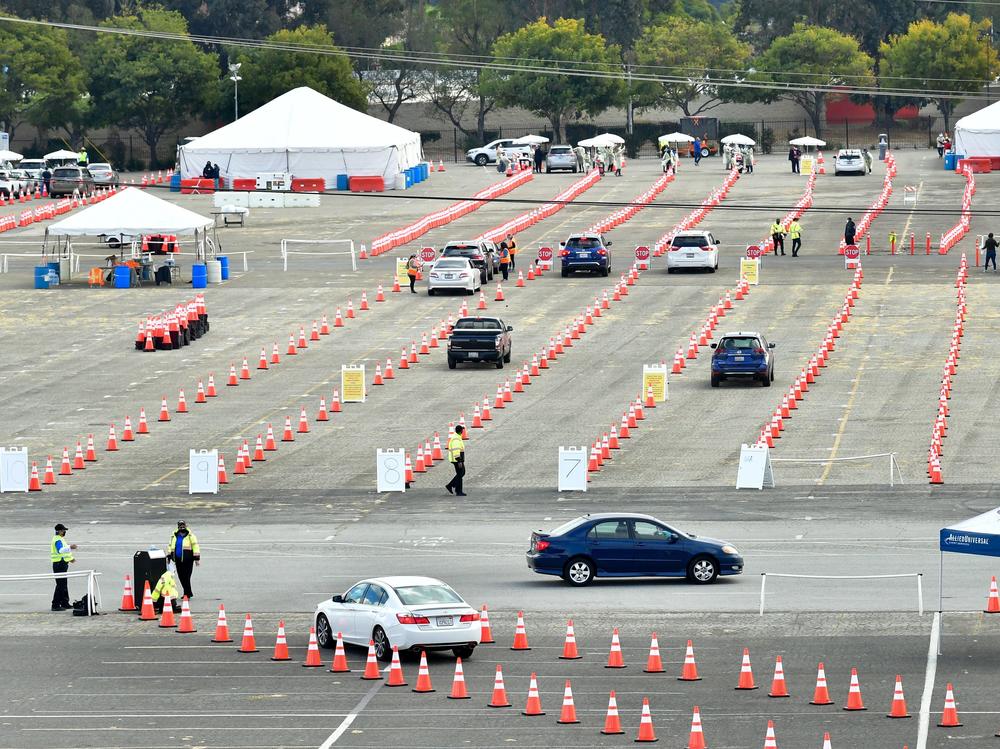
[629, 545]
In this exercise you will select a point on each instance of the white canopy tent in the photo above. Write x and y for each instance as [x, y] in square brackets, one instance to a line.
[978, 134]
[307, 135]
[979, 535]
[61, 155]
[10, 156]
[738, 139]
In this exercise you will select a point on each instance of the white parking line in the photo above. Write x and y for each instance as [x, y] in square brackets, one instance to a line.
[346, 723]
[929, 674]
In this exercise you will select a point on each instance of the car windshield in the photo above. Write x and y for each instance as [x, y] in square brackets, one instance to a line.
[690, 241]
[462, 252]
[66, 172]
[583, 243]
[100, 167]
[743, 342]
[561, 530]
[32, 164]
[483, 324]
[450, 264]
[560, 150]
[416, 595]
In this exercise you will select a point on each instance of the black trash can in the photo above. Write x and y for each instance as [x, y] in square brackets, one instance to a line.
[147, 565]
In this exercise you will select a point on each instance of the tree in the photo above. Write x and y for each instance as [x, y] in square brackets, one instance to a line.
[532, 49]
[939, 57]
[701, 52]
[150, 84]
[268, 73]
[247, 19]
[810, 58]
[395, 82]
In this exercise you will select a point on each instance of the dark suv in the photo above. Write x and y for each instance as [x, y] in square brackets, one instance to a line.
[478, 339]
[476, 252]
[585, 252]
[743, 355]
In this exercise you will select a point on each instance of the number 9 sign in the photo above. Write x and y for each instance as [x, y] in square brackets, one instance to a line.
[203, 472]
[390, 470]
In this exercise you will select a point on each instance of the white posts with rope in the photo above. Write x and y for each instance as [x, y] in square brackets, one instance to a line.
[894, 469]
[918, 575]
[93, 586]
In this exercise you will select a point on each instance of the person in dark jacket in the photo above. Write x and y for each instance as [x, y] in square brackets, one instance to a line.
[539, 159]
[850, 231]
[207, 172]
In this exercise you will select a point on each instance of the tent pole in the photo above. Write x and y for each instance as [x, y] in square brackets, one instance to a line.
[940, 597]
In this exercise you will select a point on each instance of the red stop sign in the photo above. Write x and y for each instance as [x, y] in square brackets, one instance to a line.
[852, 252]
[427, 254]
[545, 254]
[753, 251]
[642, 253]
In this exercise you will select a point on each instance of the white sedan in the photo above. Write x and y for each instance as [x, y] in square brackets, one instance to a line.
[412, 613]
[453, 273]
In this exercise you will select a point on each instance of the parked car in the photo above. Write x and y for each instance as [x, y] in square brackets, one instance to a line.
[33, 167]
[560, 157]
[66, 179]
[849, 161]
[103, 173]
[585, 252]
[476, 252]
[479, 339]
[453, 273]
[408, 612]
[488, 154]
[493, 255]
[693, 249]
[746, 355]
[9, 183]
[629, 545]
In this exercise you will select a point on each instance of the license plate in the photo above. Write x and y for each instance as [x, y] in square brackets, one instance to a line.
[738, 358]
[445, 621]
[583, 254]
[449, 275]
[689, 255]
[473, 354]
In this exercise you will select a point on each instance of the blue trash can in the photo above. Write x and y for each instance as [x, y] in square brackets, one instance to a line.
[175, 182]
[199, 276]
[123, 277]
[225, 266]
[41, 276]
[409, 178]
[343, 182]
[423, 171]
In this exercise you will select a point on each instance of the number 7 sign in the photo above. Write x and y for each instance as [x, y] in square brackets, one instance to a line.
[572, 469]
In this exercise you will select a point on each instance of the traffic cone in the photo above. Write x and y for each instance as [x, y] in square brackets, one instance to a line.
[186, 624]
[499, 698]
[249, 644]
[262, 362]
[240, 467]
[440, 165]
[499, 296]
[275, 356]
[898, 707]
[395, 671]
[314, 333]
[854, 701]
[287, 436]
[821, 696]
[992, 600]
[746, 673]
[312, 652]
[949, 717]
[520, 279]
[364, 299]
[770, 742]
[128, 599]
[232, 380]
[147, 613]
[484, 622]
[827, 744]
[690, 670]
[534, 703]
[615, 659]
[65, 469]
[322, 415]
[91, 454]
[78, 461]
[654, 664]
[371, 665]
[520, 635]
[223, 476]
[778, 686]
[646, 734]
[612, 722]
[696, 739]
[290, 351]
[569, 647]
[210, 390]
[380, 294]
[269, 446]
[167, 620]
[568, 713]
[377, 380]
[164, 411]
[182, 407]
[458, 691]
[339, 665]
[49, 477]
[302, 338]
[423, 675]
[222, 627]
[245, 369]
[128, 435]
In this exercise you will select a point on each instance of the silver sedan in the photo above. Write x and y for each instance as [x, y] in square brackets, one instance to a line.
[453, 273]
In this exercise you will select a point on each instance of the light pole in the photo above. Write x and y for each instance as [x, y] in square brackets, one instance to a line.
[987, 35]
[630, 107]
[234, 76]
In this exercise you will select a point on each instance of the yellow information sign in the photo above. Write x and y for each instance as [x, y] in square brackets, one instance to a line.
[401, 275]
[655, 376]
[750, 270]
[806, 165]
[352, 383]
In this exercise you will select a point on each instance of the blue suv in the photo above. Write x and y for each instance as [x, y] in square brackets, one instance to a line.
[629, 545]
[585, 252]
[747, 355]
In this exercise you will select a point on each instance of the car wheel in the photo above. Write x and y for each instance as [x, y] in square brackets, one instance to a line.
[506, 357]
[671, 270]
[772, 375]
[383, 648]
[606, 272]
[482, 160]
[705, 152]
[702, 570]
[766, 381]
[452, 363]
[579, 571]
[565, 273]
[465, 652]
[430, 292]
[715, 381]
[324, 635]
[713, 269]
[499, 363]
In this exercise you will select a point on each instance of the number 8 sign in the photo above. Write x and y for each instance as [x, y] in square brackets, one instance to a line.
[390, 470]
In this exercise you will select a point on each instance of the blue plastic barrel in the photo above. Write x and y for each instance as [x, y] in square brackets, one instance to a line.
[423, 171]
[950, 161]
[199, 276]
[123, 277]
[225, 266]
[175, 182]
[54, 267]
[41, 276]
[409, 178]
[343, 182]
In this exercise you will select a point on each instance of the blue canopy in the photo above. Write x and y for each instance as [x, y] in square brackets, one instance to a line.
[979, 535]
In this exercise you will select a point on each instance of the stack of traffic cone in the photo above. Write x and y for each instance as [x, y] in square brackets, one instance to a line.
[312, 652]
[520, 634]
[646, 733]
[371, 665]
[568, 713]
[458, 691]
[746, 673]
[248, 644]
[612, 721]
[128, 599]
[569, 646]
[423, 675]
[186, 624]
[222, 627]
[534, 703]
[147, 613]
[499, 698]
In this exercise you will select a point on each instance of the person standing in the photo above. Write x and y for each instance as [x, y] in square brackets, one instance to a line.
[791, 158]
[412, 269]
[867, 155]
[456, 456]
[504, 260]
[185, 553]
[990, 245]
[795, 232]
[46, 178]
[539, 159]
[511, 246]
[850, 231]
[940, 145]
[82, 159]
[61, 554]
[696, 151]
[748, 159]
[778, 236]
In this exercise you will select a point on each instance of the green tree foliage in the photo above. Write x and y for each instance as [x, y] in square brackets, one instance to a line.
[812, 56]
[946, 56]
[359, 23]
[151, 85]
[701, 52]
[268, 73]
[248, 19]
[565, 44]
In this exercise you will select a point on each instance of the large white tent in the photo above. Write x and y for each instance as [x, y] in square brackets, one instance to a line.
[978, 134]
[307, 135]
[132, 212]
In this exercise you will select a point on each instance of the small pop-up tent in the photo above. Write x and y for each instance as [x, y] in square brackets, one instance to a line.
[132, 212]
[978, 535]
[978, 134]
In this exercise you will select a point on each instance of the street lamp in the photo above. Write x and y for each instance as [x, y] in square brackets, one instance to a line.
[987, 34]
[234, 76]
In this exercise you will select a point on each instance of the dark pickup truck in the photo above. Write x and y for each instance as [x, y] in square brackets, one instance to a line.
[477, 339]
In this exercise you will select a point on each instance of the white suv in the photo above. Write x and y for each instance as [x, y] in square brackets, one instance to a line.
[849, 161]
[693, 249]
[488, 153]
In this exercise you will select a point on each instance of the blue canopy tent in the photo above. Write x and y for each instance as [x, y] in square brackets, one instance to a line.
[979, 535]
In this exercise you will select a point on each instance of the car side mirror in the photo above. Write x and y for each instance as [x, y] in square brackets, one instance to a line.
[607, 244]
[338, 598]
[562, 244]
[714, 345]
[510, 328]
[771, 345]
[674, 538]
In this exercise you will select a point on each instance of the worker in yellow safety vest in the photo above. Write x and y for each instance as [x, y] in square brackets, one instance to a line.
[61, 555]
[184, 551]
[456, 456]
[165, 586]
[795, 232]
[778, 236]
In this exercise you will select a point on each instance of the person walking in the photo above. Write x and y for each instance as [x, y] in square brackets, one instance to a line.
[184, 551]
[46, 178]
[61, 554]
[778, 236]
[867, 156]
[990, 245]
[850, 231]
[795, 232]
[456, 456]
[696, 151]
[412, 269]
[504, 260]
[940, 145]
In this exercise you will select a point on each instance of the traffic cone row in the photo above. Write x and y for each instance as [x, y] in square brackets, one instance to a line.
[939, 428]
[878, 205]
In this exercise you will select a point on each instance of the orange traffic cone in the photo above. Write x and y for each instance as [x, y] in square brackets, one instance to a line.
[164, 411]
[49, 477]
[222, 627]
[821, 696]
[827, 744]
[534, 703]
[615, 659]
[520, 635]
[949, 718]
[696, 740]
[770, 742]
[371, 665]
[339, 665]
[690, 670]
[499, 698]
[65, 469]
[423, 675]
[185, 625]
[167, 620]
[312, 652]
[287, 436]
[487, 630]
[646, 734]
[128, 434]
[249, 644]
[778, 686]
[395, 671]
[458, 691]
[654, 665]
[303, 421]
[993, 600]
[281, 644]
[128, 599]
[147, 613]
[569, 647]
[112, 445]
[746, 673]
[568, 714]
[854, 693]
[612, 722]
[898, 708]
